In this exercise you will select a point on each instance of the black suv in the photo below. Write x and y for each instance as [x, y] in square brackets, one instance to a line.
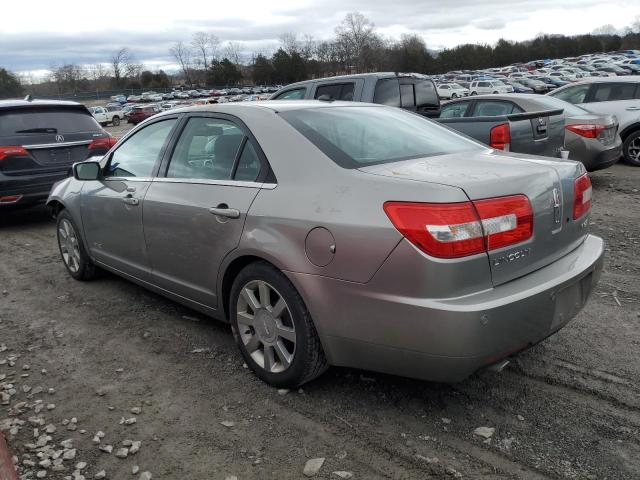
[411, 91]
[39, 141]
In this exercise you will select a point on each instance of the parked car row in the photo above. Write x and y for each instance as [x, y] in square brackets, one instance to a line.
[152, 96]
[520, 123]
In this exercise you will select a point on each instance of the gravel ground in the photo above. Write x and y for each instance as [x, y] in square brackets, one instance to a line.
[568, 408]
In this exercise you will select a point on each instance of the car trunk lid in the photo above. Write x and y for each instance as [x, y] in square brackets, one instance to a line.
[547, 183]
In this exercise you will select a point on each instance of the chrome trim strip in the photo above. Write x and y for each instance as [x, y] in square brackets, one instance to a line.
[61, 144]
[127, 179]
[225, 183]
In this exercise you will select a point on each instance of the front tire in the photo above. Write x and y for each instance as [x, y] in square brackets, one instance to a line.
[631, 148]
[273, 328]
[72, 251]
[454, 95]
[115, 121]
[474, 93]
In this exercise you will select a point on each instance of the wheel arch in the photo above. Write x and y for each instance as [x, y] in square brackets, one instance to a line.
[629, 130]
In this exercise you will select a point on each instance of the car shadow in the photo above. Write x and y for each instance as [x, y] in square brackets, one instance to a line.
[11, 217]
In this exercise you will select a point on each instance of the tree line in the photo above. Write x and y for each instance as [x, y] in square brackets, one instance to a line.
[355, 47]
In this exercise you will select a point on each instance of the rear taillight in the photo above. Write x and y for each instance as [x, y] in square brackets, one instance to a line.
[104, 143]
[587, 131]
[12, 151]
[500, 137]
[581, 196]
[453, 230]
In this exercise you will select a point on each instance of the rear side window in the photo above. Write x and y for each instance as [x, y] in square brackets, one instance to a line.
[50, 120]
[387, 92]
[454, 110]
[493, 109]
[609, 92]
[576, 94]
[207, 149]
[296, 94]
[336, 91]
[407, 96]
[426, 93]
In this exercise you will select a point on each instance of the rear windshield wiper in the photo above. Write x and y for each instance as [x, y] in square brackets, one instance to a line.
[38, 130]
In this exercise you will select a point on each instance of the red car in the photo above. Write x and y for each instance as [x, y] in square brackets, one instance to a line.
[139, 114]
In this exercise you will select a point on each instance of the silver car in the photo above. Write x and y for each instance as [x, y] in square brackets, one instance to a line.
[338, 233]
[619, 96]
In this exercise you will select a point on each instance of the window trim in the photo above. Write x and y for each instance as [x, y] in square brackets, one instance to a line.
[154, 172]
[265, 176]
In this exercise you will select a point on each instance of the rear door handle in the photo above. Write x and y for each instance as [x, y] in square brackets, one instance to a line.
[224, 211]
[130, 200]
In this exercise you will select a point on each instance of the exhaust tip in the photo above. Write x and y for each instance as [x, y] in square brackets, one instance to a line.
[498, 367]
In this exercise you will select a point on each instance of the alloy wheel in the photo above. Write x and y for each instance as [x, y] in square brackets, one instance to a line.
[633, 150]
[69, 245]
[265, 326]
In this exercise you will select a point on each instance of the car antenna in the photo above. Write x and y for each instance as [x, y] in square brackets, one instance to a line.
[28, 98]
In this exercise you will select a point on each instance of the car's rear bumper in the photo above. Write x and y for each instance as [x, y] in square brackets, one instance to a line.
[605, 158]
[30, 189]
[447, 339]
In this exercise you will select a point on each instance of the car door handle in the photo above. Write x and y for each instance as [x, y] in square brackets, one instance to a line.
[130, 200]
[224, 211]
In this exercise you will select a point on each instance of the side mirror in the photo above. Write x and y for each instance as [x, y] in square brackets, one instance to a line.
[86, 170]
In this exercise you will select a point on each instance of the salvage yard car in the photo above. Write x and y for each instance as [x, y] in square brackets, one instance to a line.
[39, 141]
[338, 233]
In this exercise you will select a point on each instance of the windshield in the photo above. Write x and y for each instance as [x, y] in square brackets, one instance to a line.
[355, 137]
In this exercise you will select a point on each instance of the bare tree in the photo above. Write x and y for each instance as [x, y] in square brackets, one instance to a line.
[183, 56]
[233, 52]
[206, 45]
[635, 24]
[67, 77]
[354, 35]
[119, 62]
[289, 42]
[605, 30]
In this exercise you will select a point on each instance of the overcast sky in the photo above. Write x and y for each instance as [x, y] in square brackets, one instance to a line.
[37, 34]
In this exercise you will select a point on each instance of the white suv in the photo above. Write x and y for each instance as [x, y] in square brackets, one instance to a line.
[483, 87]
[451, 90]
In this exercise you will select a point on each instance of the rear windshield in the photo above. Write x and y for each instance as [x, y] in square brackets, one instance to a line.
[38, 121]
[569, 108]
[355, 137]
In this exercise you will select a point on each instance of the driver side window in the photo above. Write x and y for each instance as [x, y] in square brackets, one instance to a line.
[207, 149]
[137, 156]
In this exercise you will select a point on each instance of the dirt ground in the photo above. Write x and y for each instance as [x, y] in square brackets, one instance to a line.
[567, 409]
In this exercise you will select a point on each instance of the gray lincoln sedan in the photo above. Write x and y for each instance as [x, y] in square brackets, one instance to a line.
[337, 233]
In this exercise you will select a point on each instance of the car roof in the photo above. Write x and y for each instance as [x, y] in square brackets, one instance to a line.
[22, 103]
[357, 76]
[273, 105]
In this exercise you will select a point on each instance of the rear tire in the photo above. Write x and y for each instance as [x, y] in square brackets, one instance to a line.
[474, 93]
[115, 121]
[71, 247]
[631, 148]
[273, 328]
